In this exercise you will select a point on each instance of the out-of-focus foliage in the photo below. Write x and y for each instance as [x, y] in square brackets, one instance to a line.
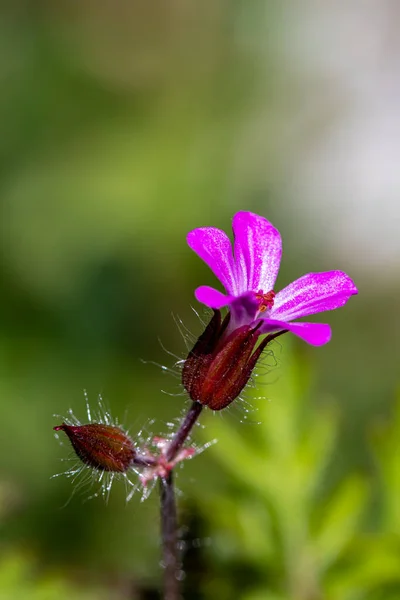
[123, 125]
[387, 452]
[24, 577]
[21, 578]
[381, 552]
[278, 523]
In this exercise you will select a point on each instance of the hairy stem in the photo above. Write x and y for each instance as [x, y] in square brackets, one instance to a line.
[169, 536]
[184, 430]
[169, 533]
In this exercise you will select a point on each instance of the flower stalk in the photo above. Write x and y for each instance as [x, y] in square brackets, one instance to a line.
[169, 538]
[220, 363]
[183, 432]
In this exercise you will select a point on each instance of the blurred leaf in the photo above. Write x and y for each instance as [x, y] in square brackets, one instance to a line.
[271, 515]
[386, 448]
[341, 519]
[19, 579]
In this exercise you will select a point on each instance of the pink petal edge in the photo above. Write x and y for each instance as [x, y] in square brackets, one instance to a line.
[211, 297]
[316, 334]
[257, 250]
[214, 247]
[313, 293]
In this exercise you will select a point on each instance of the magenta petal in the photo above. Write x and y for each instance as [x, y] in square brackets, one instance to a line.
[313, 293]
[211, 297]
[243, 309]
[316, 334]
[258, 250]
[214, 247]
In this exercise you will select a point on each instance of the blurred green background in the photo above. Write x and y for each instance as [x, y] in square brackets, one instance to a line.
[124, 124]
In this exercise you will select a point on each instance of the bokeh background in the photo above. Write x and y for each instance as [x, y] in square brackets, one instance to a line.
[124, 124]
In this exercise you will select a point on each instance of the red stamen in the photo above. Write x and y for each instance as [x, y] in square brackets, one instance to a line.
[266, 301]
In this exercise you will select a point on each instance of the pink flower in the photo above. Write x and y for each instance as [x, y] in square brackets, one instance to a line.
[248, 274]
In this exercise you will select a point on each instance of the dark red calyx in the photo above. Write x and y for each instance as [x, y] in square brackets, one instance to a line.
[200, 357]
[218, 368]
[230, 370]
[103, 447]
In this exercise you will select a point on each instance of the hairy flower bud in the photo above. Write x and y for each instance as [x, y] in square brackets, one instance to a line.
[102, 447]
[218, 367]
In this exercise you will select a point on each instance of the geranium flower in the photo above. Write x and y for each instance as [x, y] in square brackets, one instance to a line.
[248, 273]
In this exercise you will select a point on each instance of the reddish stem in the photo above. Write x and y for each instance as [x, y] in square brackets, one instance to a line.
[169, 537]
[169, 534]
[183, 431]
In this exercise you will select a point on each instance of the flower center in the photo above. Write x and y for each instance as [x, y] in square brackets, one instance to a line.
[265, 301]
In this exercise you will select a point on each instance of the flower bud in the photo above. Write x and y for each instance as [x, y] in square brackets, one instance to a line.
[102, 447]
[218, 368]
